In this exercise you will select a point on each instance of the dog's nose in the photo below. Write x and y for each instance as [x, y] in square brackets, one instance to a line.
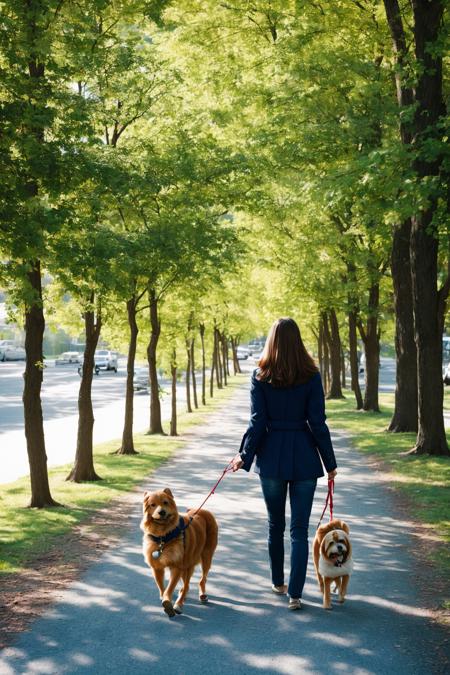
[162, 513]
[340, 547]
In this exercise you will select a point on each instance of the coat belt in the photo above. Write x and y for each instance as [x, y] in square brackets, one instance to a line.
[290, 425]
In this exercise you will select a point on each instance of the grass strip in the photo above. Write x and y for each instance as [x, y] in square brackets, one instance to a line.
[28, 533]
[423, 479]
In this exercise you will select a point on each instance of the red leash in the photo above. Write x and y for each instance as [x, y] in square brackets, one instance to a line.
[328, 500]
[226, 470]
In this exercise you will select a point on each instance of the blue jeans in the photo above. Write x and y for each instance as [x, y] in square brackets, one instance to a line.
[301, 495]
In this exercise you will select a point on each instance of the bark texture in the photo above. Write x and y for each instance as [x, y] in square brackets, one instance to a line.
[202, 340]
[173, 417]
[332, 338]
[405, 417]
[33, 375]
[155, 403]
[127, 446]
[370, 336]
[83, 468]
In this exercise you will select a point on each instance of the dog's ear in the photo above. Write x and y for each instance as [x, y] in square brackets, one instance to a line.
[323, 548]
[168, 492]
[345, 527]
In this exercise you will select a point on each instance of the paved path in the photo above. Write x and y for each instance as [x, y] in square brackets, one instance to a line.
[110, 621]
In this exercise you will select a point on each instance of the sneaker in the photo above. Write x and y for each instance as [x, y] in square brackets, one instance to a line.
[279, 590]
[295, 603]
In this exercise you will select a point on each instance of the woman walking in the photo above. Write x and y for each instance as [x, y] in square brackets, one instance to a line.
[288, 435]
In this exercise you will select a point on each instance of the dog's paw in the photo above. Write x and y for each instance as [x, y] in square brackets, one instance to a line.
[178, 609]
[203, 597]
[341, 600]
[168, 608]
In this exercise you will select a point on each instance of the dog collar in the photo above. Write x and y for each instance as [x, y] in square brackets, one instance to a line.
[173, 534]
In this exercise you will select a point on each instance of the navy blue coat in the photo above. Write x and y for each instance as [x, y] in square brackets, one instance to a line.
[287, 431]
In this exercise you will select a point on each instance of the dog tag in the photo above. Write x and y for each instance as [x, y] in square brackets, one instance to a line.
[156, 554]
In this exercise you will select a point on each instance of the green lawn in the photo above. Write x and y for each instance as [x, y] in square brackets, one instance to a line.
[26, 533]
[424, 480]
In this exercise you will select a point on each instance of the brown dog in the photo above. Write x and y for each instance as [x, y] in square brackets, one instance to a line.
[177, 542]
[332, 552]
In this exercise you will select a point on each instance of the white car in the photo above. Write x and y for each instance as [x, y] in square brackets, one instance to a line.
[10, 351]
[68, 357]
[242, 353]
[106, 360]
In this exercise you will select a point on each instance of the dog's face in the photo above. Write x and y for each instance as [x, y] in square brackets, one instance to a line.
[336, 546]
[160, 512]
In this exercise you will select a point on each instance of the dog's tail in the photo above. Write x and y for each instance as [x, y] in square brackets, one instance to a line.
[212, 529]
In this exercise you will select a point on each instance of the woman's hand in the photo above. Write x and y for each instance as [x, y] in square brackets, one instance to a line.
[237, 462]
[332, 474]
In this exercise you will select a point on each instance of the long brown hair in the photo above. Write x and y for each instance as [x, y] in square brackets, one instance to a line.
[285, 361]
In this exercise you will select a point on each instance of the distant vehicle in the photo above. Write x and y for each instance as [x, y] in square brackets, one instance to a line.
[256, 346]
[141, 380]
[106, 360]
[10, 351]
[68, 357]
[257, 355]
[80, 368]
[242, 353]
[447, 374]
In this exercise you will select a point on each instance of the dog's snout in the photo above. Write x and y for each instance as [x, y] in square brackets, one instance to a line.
[162, 513]
[340, 547]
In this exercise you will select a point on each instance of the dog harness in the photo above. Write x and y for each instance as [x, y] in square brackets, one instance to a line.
[173, 534]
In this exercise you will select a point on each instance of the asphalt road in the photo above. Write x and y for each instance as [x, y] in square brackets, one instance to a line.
[110, 621]
[60, 410]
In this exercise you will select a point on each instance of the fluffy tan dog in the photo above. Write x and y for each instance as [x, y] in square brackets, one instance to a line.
[332, 552]
[177, 542]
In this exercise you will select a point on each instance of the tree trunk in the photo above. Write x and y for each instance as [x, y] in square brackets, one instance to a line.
[34, 364]
[188, 376]
[234, 346]
[194, 380]
[320, 351]
[326, 358]
[217, 359]
[427, 300]
[202, 338]
[83, 468]
[371, 339]
[431, 436]
[211, 379]
[405, 417]
[354, 366]
[334, 343]
[127, 447]
[155, 403]
[224, 346]
[173, 417]
[343, 371]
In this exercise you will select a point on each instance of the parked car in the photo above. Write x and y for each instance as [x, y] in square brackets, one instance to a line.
[256, 346]
[10, 351]
[80, 368]
[106, 360]
[242, 353]
[447, 374]
[68, 357]
[141, 380]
